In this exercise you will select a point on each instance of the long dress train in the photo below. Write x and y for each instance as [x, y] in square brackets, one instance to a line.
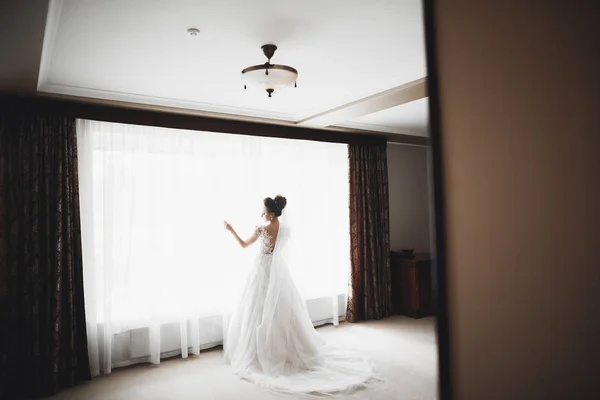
[270, 339]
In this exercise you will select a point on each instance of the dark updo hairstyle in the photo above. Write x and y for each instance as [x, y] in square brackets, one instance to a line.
[275, 205]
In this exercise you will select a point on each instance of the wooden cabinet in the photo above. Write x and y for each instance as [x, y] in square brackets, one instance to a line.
[411, 285]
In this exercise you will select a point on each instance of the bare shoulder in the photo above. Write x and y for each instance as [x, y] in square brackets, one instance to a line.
[269, 229]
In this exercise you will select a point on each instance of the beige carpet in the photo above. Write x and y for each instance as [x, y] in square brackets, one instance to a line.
[403, 349]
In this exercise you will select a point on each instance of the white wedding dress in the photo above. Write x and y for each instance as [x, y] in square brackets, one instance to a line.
[270, 339]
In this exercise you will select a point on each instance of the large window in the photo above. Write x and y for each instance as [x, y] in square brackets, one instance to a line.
[153, 201]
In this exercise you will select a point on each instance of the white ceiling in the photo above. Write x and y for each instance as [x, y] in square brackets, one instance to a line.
[409, 118]
[138, 51]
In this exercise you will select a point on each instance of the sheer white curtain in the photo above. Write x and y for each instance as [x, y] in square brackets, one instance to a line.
[159, 268]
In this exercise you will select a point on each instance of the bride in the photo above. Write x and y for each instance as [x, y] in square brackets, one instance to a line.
[270, 338]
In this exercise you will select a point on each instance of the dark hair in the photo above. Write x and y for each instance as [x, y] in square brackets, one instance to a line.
[275, 205]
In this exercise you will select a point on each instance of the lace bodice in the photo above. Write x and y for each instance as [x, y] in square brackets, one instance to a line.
[267, 242]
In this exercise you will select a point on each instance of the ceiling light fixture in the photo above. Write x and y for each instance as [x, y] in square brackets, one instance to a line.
[267, 76]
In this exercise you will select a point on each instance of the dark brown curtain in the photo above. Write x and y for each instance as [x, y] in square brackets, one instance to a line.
[370, 295]
[43, 331]
[3, 266]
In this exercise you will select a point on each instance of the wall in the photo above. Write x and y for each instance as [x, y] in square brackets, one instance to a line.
[409, 197]
[520, 125]
[22, 25]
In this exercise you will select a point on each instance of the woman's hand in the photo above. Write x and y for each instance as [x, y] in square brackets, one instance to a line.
[243, 243]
